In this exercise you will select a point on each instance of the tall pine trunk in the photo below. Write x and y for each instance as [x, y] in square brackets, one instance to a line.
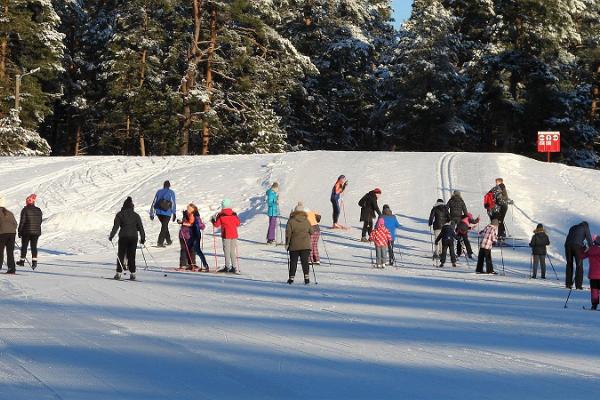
[143, 58]
[4, 44]
[595, 93]
[209, 78]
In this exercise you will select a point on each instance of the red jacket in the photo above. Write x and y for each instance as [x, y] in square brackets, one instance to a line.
[228, 221]
[381, 236]
[594, 255]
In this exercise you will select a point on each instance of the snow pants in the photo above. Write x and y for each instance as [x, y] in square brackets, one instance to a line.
[187, 255]
[336, 210]
[380, 254]
[367, 227]
[391, 254]
[447, 245]
[272, 229]
[164, 230]
[438, 247]
[541, 260]
[26, 240]
[7, 241]
[303, 255]
[230, 251]
[485, 255]
[573, 252]
[127, 248]
[595, 291]
[463, 240]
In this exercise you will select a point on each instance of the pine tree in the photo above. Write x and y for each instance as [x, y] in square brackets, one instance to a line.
[16, 140]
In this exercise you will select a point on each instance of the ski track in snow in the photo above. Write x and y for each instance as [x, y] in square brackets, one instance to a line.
[414, 331]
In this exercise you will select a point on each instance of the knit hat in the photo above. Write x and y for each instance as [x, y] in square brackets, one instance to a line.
[495, 222]
[128, 202]
[31, 199]
[275, 185]
[341, 177]
[226, 203]
[539, 227]
[2, 202]
[299, 207]
[457, 192]
[377, 191]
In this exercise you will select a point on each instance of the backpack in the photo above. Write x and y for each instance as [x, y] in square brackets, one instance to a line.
[164, 205]
[489, 201]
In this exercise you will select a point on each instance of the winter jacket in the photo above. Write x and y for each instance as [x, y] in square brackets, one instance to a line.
[313, 218]
[369, 206]
[538, 243]
[500, 195]
[578, 234]
[439, 215]
[447, 235]
[8, 223]
[192, 232]
[391, 223]
[298, 231]
[163, 194]
[228, 221]
[490, 236]
[272, 203]
[466, 224]
[30, 223]
[380, 236]
[457, 207]
[128, 223]
[338, 189]
[594, 255]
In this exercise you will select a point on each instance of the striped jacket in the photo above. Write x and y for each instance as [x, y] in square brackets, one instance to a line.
[381, 236]
[490, 236]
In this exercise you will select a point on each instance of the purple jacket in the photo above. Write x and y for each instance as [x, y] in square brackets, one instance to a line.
[594, 255]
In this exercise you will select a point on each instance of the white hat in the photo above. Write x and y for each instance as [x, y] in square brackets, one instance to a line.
[2, 202]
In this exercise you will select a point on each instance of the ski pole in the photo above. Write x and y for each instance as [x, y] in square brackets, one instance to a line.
[314, 274]
[568, 296]
[502, 256]
[118, 259]
[531, 267]
[237, 257]
[326, 253]
[144, 247]
[26, 260]
[344, 211]
[371, 249]
[432, 249]
[552, 265]
[145, 262]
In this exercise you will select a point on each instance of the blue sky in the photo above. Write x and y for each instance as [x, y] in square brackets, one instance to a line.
[401, 10]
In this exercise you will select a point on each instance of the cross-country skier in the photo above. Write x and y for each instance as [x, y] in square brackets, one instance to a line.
[128, 223]
[578, 239]
[437, 219]
[447, 237]
[462, 231]
[273, 211]
[336, 194]
[297, 242]
[8, 231]
[313, 219]
[368, 208]
[392, 224]
[499, 211]
[593, 254]
[490, 236]
[30, 229]
[457, 207]
[189, 239]
[228, 221]
[381, 237]
[165, 208]
[538, 243]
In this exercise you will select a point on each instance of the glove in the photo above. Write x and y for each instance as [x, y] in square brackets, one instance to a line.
[213, 219]
[511, 202]
[110, 238]
[19, 236]
[174, 217]
[151, 217]
[143, 241]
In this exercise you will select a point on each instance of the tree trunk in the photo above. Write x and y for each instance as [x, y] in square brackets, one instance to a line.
[209, 77]
[4, 44]
[77, 141]
[595, 94]
[142, 144]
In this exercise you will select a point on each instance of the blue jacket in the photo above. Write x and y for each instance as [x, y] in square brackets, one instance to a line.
[391, 223]
[166, 194]
[272, 203]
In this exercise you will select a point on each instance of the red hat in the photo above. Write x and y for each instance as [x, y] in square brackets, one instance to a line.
[31, 199]
[377, 191]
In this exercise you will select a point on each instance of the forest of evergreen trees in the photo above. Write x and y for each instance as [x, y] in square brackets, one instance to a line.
[162, 77]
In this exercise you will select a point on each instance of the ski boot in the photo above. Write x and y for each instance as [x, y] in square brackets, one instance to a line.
[306, 280]
[117, 276]
[232, 270]
[21, 262]
[132, 277]
[222, 270]
[33, 264]
[290, 281]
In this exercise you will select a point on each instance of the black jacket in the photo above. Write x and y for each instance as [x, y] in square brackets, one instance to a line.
[439, 216]
[129, 223]
[578, 234]
[368, 206]
[500, 195]
[447, 235]
[538, 243]
[31, 221]
[457, 207]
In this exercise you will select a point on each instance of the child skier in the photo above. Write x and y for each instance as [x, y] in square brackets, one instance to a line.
[228, 221]
[391, 223]
[128, 223]
[30, 230]
[189, 239]
[447, 236]
[273, 211]
[538, 244]
[381, 237]
[313, 220]
[593, 254]
[437, 218]
[490, 236]
[462, 232]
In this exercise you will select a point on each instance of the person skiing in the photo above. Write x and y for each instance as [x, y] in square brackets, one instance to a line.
[437, 219]
[502, 202]
[30, 230]
[457, 207]
[462, 232]
[189, 239]
[593, 255]
[579, 236]
[128, 223]
[228, 221]
[197, 233]
[336, 194]
[381, 237]
[314, 219]
[297, 241]
[391, 223]
[538, 244]
[8, 231]
[447, 237]
[273, 211]
[490, 236]
[368, 208]
[165, 208]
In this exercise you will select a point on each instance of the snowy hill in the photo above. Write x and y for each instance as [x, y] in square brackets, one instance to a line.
[412, 332]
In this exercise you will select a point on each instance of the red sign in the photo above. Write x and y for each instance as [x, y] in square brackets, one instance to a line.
[548, 142]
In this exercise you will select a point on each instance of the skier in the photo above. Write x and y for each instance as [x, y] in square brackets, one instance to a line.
[336, 194]
[437, 219]
[8, 231]
[228, 221]
[447, 237]
[165, 208]
[462, 232]
[128, 223]
[273, 211]
[593, 254]
[457, 207]
[391, 223]
[368, 208]
[381, 237]
[490, 236]
[187, 237]
[197, 233]
[502, 202]
[297, 241]
[30, 230]
[538, 244]
[579, 235]
[314, 219]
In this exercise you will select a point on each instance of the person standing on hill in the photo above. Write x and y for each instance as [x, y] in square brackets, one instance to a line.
[297, 242]
[593, 254]
[447, 237]
[128, 223]
[490, 236]
[381, 238]
[368, 208]
[392, 224]
[462, 231]
[502, 202]
[229, 222]
[30, 230]
[273, 211]
[313, 219]
[165, 208]
[8, 231]
[578, 239]
[457, 207]
[336, 194]
[438, 217]
[539, 242]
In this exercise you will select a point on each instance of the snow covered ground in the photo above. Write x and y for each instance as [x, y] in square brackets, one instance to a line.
[413, 332]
